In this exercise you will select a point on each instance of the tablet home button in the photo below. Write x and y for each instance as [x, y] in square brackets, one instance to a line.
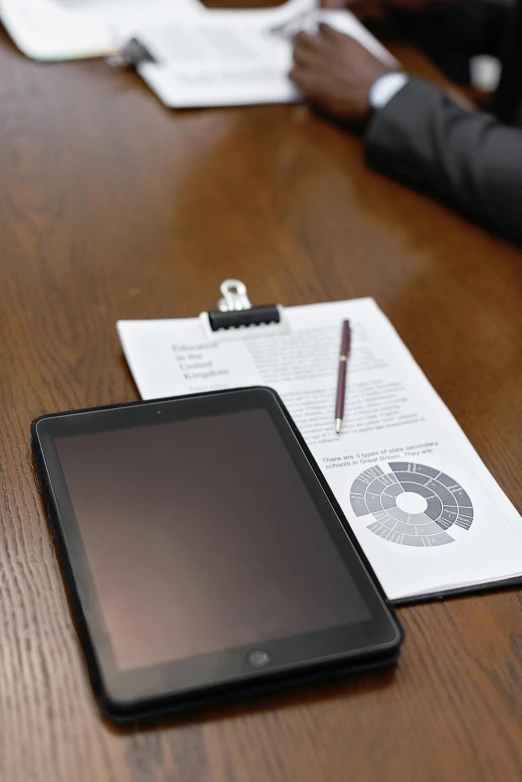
[258, 659]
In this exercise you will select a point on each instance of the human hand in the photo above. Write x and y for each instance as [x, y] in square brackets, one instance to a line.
[335, 73]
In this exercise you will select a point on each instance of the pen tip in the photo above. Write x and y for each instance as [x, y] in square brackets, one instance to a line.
[338, 425]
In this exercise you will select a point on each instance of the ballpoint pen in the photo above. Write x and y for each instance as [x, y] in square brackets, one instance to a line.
[346, 339]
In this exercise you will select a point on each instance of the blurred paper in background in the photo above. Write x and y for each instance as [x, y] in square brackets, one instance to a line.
[72, 29]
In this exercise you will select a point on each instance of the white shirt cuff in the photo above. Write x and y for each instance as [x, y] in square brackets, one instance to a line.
[385, 88]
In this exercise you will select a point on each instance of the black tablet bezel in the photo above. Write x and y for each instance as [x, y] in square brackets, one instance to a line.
[130, 691]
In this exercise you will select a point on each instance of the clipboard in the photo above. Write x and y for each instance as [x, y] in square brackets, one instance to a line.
[462, 533]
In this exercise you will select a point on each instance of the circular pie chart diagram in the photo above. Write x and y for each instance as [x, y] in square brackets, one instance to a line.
[411, 504]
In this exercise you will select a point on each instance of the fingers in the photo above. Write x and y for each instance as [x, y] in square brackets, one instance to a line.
[308, 82]
[300, 77]
[304, 59]
[312, 54]
[328, 32]
[344, 46]
[332, 36]
[318, 58]
[306, 43]
[306, 50]
[327, 36]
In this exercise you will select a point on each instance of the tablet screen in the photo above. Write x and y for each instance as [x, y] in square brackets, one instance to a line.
[201, 536]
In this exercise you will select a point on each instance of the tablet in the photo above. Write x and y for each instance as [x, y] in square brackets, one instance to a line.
[203, 552]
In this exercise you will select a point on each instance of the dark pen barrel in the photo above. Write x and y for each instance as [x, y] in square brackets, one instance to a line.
[341, 376]
[341, 390]
[346, 339]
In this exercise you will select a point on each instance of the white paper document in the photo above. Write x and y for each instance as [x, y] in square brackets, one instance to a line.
[201, 57]
[428, 514]
[231, 58]
[70, 29]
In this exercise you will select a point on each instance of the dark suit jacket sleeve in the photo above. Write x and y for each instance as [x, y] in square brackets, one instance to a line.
[465, 158]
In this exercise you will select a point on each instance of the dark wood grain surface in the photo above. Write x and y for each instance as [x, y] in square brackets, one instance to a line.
[113, 207]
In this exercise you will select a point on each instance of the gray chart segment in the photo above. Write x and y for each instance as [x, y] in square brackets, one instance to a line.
[449, 492]
[390, 494]
[419, 531]
[374, 493]
[367, 487]
[415, 469]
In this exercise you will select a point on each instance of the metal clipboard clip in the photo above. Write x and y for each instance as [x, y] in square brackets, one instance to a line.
[132, 54]
[236, 318]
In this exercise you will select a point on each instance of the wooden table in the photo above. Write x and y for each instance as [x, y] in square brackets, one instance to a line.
[113, 207]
